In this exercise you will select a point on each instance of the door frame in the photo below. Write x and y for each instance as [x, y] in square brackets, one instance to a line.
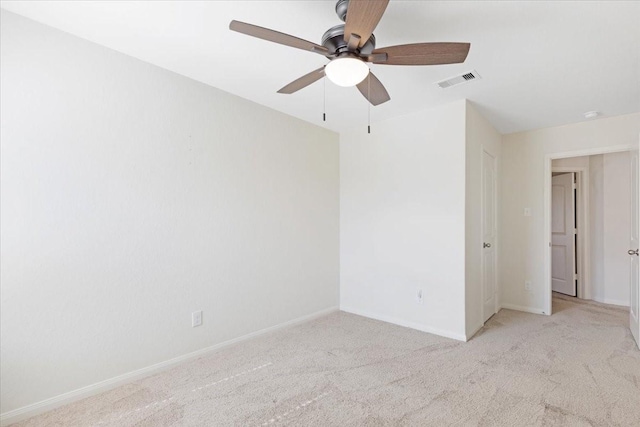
[548, 158]
[496, 242]
[633, 325]
[583, 250]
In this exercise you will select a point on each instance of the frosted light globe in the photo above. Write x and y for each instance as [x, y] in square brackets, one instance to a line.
[346, 71]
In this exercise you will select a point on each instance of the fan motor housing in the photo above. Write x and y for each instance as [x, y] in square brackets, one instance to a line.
[333, 40]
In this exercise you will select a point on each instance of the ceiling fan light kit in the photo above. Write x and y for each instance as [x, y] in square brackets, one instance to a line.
[351, 45]
[346, 71]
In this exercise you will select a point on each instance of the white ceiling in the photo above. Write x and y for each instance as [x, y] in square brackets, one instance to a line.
[542, 63]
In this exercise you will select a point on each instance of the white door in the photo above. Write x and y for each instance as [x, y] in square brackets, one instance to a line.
[563, 253]
[489, 296]
[634, 323]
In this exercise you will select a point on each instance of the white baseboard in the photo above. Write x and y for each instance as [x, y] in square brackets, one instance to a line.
[37, 408]
[611, 301]
[407, 324]
[522, 308]
[475, 331]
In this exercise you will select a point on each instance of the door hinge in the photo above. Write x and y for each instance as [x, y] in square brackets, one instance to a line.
[575, 231]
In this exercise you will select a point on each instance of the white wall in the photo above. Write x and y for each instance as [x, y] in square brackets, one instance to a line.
[402, 219]
[132, 196]
[480, 135]
[580, 162]
[524, 245]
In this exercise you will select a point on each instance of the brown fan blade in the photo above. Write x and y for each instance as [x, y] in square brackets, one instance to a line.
[276, 37]
[303, 81]
[373, 90]
[421, 54]
[362, 18]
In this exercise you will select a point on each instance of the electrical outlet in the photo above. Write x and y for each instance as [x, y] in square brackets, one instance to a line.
[196, 319]
[527, 211]
[419, 296]
[527, 285]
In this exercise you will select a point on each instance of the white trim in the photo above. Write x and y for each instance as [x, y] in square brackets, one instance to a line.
[34, 409]
[592, 151]
[475, 331]
[612, 301]
[406, 324]
[522, 308]
[548, 158]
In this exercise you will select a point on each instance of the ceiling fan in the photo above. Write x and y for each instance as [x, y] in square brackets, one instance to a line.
[351, 45]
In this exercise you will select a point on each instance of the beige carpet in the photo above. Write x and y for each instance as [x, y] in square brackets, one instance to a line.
[577, 367]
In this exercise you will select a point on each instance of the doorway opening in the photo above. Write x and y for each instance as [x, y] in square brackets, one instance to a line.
[568, 232]
[588, 221]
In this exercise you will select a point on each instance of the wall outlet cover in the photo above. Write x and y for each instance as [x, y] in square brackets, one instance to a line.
[196, 318]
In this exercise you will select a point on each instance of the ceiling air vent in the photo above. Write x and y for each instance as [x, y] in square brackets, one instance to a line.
[466, 77]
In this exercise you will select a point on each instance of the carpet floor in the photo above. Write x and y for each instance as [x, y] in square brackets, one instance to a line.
[579, 367]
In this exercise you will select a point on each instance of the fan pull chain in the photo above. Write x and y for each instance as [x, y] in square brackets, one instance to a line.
[369, 104]
[324, 98]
